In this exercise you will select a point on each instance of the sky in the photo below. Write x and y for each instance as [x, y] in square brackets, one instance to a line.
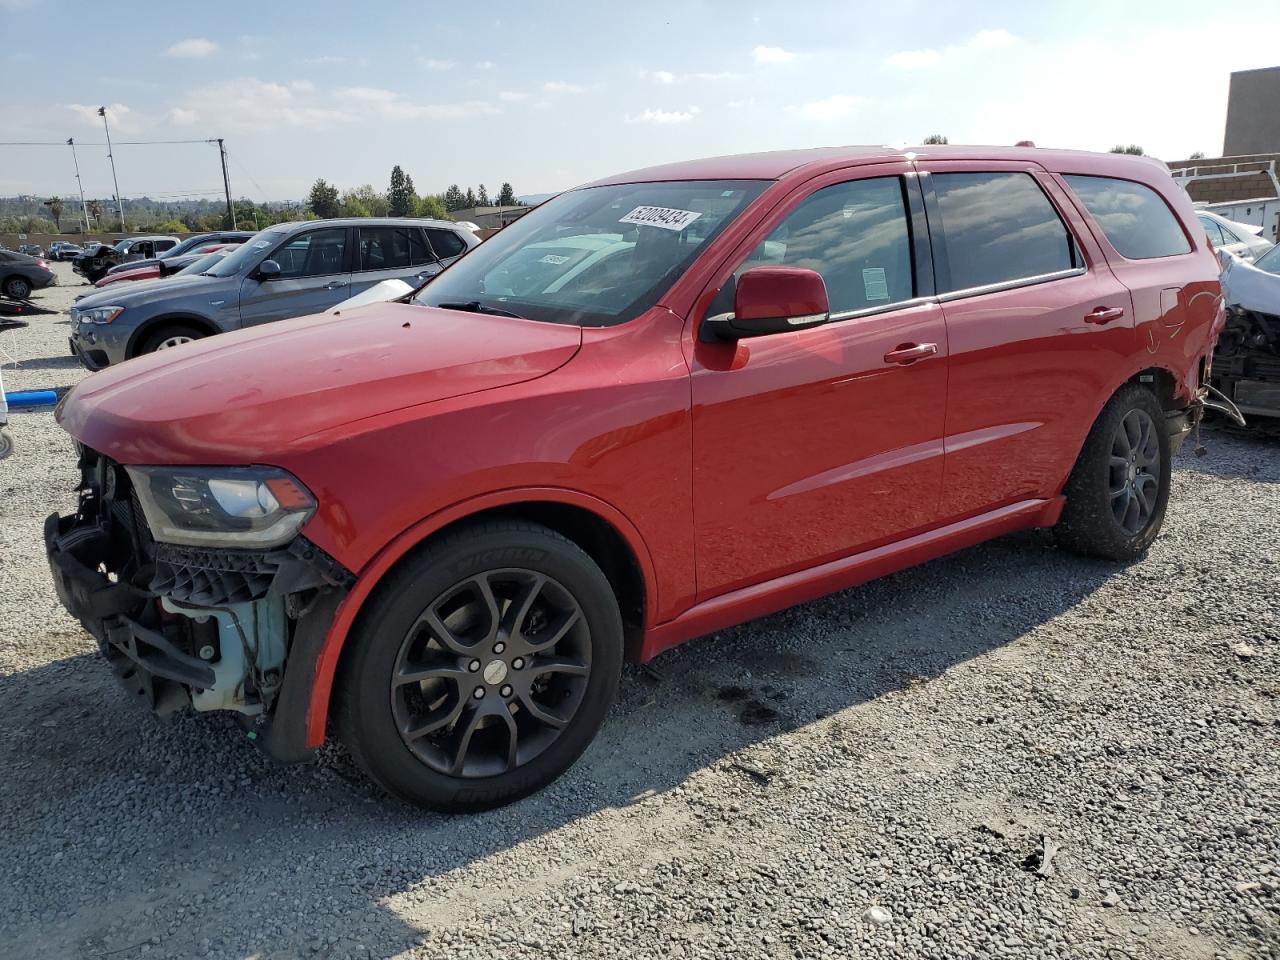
[551, 94]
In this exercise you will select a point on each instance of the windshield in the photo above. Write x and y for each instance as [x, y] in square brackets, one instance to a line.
[1269, 261]
[202, 265]
[239, 258]
[123, 245]
[594, 256]
[184, 245]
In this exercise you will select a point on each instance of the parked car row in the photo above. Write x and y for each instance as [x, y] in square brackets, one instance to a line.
[285, 271]
[98, 258]
[652, 408]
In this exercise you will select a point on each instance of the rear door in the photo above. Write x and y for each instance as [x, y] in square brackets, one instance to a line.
[315, 274]
[446, 245]
[1037, 326]
[391, 253]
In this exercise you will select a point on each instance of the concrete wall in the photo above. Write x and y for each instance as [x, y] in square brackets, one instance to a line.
[1253, 112]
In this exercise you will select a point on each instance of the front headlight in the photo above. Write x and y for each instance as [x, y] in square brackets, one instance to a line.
[249, 507]
[98, 314]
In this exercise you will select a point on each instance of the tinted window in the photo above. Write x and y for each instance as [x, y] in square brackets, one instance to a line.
[313, 254]
[386, 248]
[1269, 261]
[445, 243]
[1000, 227]
[1134, 217]
[1213, 230]
[855, 235]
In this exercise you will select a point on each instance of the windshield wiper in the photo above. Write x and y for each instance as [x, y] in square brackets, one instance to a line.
[475, 306]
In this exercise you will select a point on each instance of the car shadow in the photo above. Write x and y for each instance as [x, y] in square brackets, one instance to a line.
[46, 363]
[126, 823]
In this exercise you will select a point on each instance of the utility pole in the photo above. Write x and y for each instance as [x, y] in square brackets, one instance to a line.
[102, 112]
[226, 184]
[84, 211]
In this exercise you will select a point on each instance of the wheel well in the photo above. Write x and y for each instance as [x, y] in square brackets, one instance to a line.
[597, 538]
[143, 332]
[1160, 382]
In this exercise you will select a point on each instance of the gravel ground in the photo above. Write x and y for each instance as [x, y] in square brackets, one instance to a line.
[877, 774]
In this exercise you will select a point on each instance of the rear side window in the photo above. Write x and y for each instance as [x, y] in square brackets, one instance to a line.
[1000, 227]
[1213, 230]
[855, 235]
[1134, 217]
[386, 248]
[445, 243]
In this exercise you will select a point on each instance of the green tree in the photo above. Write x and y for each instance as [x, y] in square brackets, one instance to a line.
[432, 206]
[1132, 149]
[454, 198]
[401, 195]
[507, 196]
[934, 139]
[469, 200]
[1198, 155]
[95, 212]
[365, 201]
[55, 209]
[323, 199]
[482, 197]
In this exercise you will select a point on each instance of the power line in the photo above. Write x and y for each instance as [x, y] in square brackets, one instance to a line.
[97, 143]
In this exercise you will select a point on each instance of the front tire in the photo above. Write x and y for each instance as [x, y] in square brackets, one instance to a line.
[170, 335]
[1119, 489]
[482, 668]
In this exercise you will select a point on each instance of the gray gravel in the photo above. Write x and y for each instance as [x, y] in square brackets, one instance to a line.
[914, 749]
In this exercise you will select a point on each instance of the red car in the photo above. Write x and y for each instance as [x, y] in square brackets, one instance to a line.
[652, 408]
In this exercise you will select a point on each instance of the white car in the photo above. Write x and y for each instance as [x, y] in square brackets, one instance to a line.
[1240, 239]
[1246, 360]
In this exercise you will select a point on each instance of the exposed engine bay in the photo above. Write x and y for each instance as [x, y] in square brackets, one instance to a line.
[1246, 361]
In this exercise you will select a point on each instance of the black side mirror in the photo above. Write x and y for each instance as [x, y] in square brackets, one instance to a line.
[268, 270]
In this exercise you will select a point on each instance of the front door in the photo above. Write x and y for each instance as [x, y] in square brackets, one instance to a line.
[1038, 326]
[814, 444]
[314, 275]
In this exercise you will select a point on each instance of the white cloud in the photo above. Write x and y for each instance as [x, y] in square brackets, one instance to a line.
[251, 104]
[835, 107]
[667, 78]
[182, 118]
[763, 54]
[392, 106]
[437, 65]
[982, 40]
[121, 118]
[560, 86]
[990, 39]
[192, 48]
[512, 96]
[914, 59]
[485, 65]
[325, 60]
[663, 117]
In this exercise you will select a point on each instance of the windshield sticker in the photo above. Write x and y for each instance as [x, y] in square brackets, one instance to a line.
[874, 285]
[664, 217]
[553, 259]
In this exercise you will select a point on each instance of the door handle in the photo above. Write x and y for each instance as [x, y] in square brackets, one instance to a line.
[334, 285]
[1104, 315]
[910, 353]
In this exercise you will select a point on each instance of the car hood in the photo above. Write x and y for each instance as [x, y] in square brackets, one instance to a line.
[138, 293]
[1244, 285]
[247, 396]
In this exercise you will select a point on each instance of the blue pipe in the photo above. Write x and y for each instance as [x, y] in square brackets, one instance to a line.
[31, 399]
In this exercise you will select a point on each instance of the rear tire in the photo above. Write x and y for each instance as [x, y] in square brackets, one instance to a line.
[17, 288]
[481, 668]
[1119, 489]
[170, 335]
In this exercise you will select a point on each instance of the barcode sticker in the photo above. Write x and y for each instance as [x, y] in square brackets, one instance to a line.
[665, 217]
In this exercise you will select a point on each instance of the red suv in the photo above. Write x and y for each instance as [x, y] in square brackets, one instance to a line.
[655, 406]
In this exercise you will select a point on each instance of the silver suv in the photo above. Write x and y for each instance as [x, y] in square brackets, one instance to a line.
[289, 270]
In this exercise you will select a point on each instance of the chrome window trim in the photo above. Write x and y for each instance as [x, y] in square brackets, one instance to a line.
[1010, 284]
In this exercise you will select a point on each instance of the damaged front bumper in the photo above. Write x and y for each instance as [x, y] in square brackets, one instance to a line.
[211, 629]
